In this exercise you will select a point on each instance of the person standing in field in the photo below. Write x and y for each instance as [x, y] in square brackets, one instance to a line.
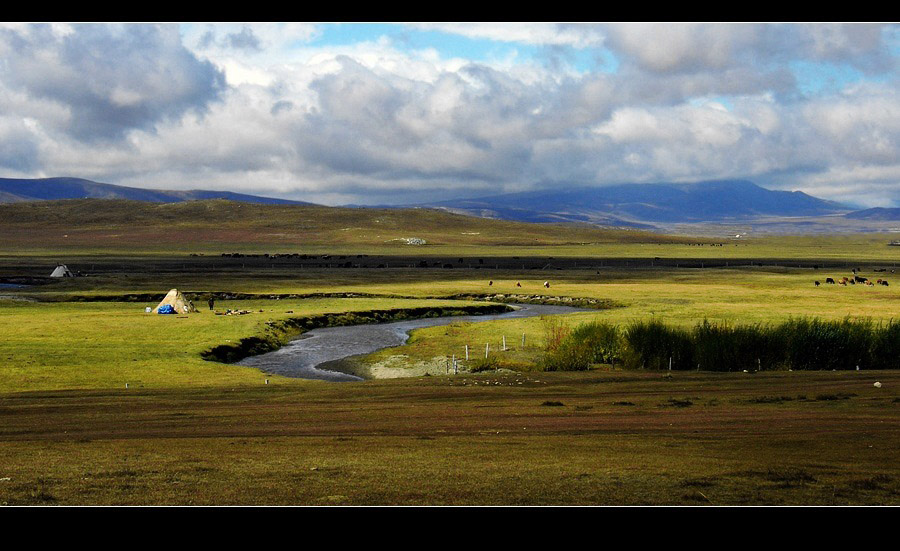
[211, 302]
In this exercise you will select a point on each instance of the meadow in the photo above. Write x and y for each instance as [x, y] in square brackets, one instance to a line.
[192, 431]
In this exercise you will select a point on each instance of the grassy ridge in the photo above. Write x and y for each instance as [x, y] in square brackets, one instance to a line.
[93, 225]
[103, 227]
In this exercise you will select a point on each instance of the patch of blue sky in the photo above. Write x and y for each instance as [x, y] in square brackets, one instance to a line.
[891, 36]
[451, 45]
[822, 78]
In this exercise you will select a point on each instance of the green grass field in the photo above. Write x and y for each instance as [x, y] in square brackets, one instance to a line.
[190, 431]
[69, 345]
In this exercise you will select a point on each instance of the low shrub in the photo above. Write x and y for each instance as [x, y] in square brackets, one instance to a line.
[491, 363]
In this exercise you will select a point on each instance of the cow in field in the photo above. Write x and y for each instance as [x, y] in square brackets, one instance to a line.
[884, 282]
[546, 284]
[829, 280]
[817, 284]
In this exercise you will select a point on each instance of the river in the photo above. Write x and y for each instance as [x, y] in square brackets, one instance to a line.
[301, 357]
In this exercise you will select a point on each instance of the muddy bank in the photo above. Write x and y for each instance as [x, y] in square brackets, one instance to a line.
[333, 353]
[278, 333]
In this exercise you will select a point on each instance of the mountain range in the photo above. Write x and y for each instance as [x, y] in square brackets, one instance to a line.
[15, 190]
[635, 205]
[646, 204]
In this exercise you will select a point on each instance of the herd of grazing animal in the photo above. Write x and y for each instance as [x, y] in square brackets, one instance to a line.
[855, 279]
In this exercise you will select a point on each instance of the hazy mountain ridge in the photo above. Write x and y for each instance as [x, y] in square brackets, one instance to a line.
[876, 213]
[659, 206]
[14, 190]
[645, 204]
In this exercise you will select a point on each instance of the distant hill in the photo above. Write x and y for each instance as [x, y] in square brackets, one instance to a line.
[225, 226]
[16, 190]
[647, 204]
[877, 213]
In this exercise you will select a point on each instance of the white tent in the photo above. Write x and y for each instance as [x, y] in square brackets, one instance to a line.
[180, 304]
[62, 271]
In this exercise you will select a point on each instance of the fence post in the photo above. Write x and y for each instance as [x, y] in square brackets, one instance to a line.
[467, 352]
[504, 343]
[487, 348]
[523, 340]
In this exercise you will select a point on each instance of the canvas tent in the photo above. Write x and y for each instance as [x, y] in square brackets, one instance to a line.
[62, 271]
[176, 300]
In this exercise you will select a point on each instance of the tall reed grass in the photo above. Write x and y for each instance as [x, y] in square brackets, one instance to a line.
[797, 344]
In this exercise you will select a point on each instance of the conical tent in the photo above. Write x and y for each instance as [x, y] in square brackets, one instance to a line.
[176, 300]
[62, 271]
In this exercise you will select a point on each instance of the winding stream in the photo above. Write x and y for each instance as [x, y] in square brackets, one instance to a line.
[301, 357]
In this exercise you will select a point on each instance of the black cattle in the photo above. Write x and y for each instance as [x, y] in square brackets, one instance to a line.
[859, 279]
[829, 280]
[884, 282]
[817, 284]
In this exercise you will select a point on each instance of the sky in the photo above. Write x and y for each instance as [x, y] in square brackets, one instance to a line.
[410, 113]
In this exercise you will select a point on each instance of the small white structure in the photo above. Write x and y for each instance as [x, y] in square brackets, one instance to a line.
[180, 304]
[62, 271]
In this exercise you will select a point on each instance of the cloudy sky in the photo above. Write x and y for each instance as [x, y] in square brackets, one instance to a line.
[402, 113]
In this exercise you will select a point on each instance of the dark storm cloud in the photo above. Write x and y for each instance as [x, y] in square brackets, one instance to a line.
[112, 79]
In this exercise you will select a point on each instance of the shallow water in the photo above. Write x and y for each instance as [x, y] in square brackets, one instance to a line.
[300, 357]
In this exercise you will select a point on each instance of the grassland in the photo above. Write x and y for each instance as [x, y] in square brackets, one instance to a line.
[70, 345]
[189, 431]
[598, 438]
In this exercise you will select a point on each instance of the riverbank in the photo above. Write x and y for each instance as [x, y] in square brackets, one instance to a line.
[278, 333]
[335, 351]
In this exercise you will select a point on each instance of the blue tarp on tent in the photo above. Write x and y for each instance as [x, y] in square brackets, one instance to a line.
[166, 309]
